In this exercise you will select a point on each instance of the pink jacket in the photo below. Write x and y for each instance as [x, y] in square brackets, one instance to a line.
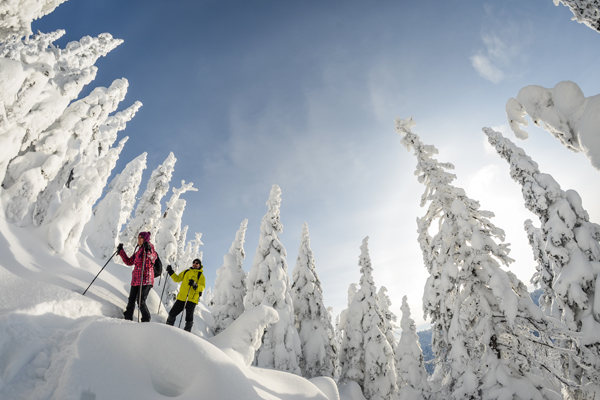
[137, 260]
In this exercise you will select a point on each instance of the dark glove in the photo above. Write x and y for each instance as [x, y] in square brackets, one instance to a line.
[147, 247]
[170, 270]
[120, 247]
[193, 284]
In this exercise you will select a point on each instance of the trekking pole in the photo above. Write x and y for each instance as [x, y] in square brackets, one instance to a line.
[163, 292]
[184, 306]
[111, 257]
[141, 286]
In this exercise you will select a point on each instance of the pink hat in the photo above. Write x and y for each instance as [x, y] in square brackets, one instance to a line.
[145, 236]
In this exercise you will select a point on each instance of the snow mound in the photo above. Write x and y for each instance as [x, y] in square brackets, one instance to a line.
[242, 338]
[149, 361]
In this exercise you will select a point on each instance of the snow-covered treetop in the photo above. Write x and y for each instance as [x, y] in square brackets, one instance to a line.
[366, 269]
[148, 210]
[177, 192]
[17, 16]
[563, 111]
[304, 274]
[230, 284]
[585, 11]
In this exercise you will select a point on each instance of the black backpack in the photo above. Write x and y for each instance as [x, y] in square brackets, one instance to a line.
[158, 269]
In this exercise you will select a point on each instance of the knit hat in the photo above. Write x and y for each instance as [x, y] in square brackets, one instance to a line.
[145, 236]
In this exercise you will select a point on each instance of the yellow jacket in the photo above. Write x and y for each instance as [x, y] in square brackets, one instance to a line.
[184, 277]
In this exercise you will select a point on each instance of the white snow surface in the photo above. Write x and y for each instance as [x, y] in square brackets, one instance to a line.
[57, 344]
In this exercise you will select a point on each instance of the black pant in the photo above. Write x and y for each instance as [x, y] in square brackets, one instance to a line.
[134, 296]
[178, 308]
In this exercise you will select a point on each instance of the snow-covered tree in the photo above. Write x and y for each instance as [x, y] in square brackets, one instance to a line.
[181, 240]
[313, 322]
[543, 276]
[268, 283]
[366, 357]
[66, 225]
[482, 317]
[44, 169]
[170, 225]
[563, 111]
[113, 210]
[38, 81]
[148, 210]
[17, 16]
[207, 297]
[230, 284]
[389, 318]
[585, 11]
[410, 367]
[572, 250]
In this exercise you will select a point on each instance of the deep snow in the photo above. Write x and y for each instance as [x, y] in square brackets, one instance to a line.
[57, 344]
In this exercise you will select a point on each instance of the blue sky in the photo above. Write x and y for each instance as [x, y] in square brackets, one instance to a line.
[303, 94]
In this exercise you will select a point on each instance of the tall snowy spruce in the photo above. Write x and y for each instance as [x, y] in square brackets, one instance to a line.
[319, 346]
[148, 211]
[366, 357]
[410, 367]
[37, 82]
[169, 226]
[389, 318]
[230, 284]
[269, 284]
[485, 325]
[572, 252]
[115, 208]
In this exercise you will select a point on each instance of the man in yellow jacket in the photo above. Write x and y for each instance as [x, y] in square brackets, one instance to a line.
[192, 286]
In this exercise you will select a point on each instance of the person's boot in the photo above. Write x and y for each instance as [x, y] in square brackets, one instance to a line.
[188, 326]
[170, 320]
[128, 314]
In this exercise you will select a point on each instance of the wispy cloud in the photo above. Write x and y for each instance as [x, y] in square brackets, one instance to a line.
[502, 51]
[485, 67]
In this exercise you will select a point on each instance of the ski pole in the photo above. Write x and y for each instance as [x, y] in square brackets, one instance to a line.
[141, 286]
[163, 292]
[184, 306]
[111, 257]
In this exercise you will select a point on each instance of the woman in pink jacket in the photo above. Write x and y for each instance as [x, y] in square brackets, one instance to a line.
[144, 257]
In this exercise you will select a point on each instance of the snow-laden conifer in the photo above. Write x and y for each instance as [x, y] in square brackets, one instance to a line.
[66, 225]
[181, 240]
[317, 336]
[366, 357]
[268, 283]
[543, 276]
[148, 210]
[482, 317]
[563, 111]
[585, 11]
[44, 169]
[169, 229]
[207, 297]
[17, 16]
[389, 318]
[410, 367]
[115, 208]
[230, 284]
[572, 249]
[38, 81]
